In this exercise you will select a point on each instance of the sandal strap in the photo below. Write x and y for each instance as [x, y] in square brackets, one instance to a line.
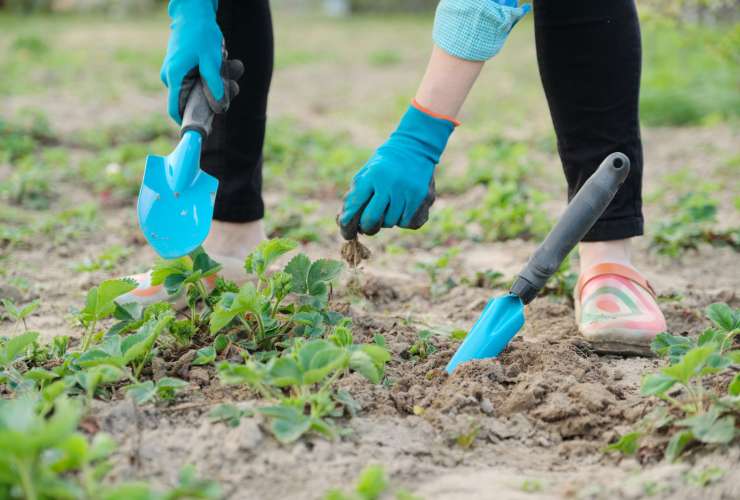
[615, 269]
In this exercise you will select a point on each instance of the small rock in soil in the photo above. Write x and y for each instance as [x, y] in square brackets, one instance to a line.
[486, 406]
[200, 376]
[181, 367]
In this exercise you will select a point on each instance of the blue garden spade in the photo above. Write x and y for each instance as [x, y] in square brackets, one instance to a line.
[176, 199]
[503, 317]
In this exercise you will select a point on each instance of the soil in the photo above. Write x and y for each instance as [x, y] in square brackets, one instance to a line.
[531, 424]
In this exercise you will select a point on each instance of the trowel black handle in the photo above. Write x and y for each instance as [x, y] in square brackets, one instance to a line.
[581, 214]
[198, 114]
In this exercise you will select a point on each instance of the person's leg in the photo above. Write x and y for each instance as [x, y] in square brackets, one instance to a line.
[233, 151]
[589, 55]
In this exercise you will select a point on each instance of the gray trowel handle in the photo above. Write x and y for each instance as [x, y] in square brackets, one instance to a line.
[583, 211]
[198, 114]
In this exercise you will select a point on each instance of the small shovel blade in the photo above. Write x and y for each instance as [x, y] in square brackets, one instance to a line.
[175, 222]
[500, 320]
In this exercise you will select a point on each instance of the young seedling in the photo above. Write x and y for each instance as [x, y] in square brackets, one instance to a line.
[17, 313]
[423, 346]
[694, 410]
[186, 275]
[304, 378]
[100, 305]
[434, 270]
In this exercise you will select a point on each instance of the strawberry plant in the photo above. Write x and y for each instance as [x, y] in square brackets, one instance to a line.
[259, 312]
[695, 410]
[45, 457]
[300, 383]
[371, 484]
[17, 313]
[693, 222]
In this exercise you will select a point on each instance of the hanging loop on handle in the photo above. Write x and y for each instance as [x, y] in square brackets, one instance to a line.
[581, 214]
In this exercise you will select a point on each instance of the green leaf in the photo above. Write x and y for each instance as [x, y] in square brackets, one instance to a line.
[142, 392]
[677, 444]
[228, 413]
[164, 268]
[231, 373]
[267, 252]
[102, 446]
[656, 384]
[110, 290]
[174, 282]
[665, 344]
[710, 427]
[363, 364]
[734, 388]
[128, 491]
[40, 375]
[288, 424]
[16, 346]
[205, 356]
[702, 478]
[378, 354]
[73, 454]
[627, 444]
[372, 482]
[18, 314]
[203, 264]
[298, 268]
[167, 387]
[716, 363]
[138, 346]
[690, 364]
[725, 318]
[711, 335]
[321, 272]
[220, 343]
[324, 363]
[285, 372]
[232, 305]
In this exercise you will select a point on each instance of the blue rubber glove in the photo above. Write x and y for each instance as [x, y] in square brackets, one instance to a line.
[396, 187]
[196, 49]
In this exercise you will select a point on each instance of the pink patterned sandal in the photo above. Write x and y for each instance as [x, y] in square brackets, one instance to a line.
[616, 310]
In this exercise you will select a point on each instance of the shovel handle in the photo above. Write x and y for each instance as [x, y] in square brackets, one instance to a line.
[198, 114]
[581, 214]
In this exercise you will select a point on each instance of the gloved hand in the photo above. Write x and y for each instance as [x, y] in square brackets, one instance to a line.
[396, 187]
[196, 49]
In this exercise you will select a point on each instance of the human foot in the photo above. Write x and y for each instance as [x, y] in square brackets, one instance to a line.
[228, 244]
[616, 308]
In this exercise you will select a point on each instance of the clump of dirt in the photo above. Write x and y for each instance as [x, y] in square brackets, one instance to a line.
[560, 385]
[353, 252]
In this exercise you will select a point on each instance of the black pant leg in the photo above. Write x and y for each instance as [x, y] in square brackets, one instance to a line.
[233, 152]
[589, 54]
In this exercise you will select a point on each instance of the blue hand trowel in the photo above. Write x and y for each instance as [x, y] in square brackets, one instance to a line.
[502, 317]
[176, 199]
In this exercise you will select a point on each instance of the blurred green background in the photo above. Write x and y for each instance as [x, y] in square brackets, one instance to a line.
[82, 105]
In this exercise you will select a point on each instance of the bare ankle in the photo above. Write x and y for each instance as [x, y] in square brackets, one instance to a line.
[233, 239]
[592, 253]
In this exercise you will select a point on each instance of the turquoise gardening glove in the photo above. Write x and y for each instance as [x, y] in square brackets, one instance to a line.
[475, 30]
[396, 187]
[195, 49]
